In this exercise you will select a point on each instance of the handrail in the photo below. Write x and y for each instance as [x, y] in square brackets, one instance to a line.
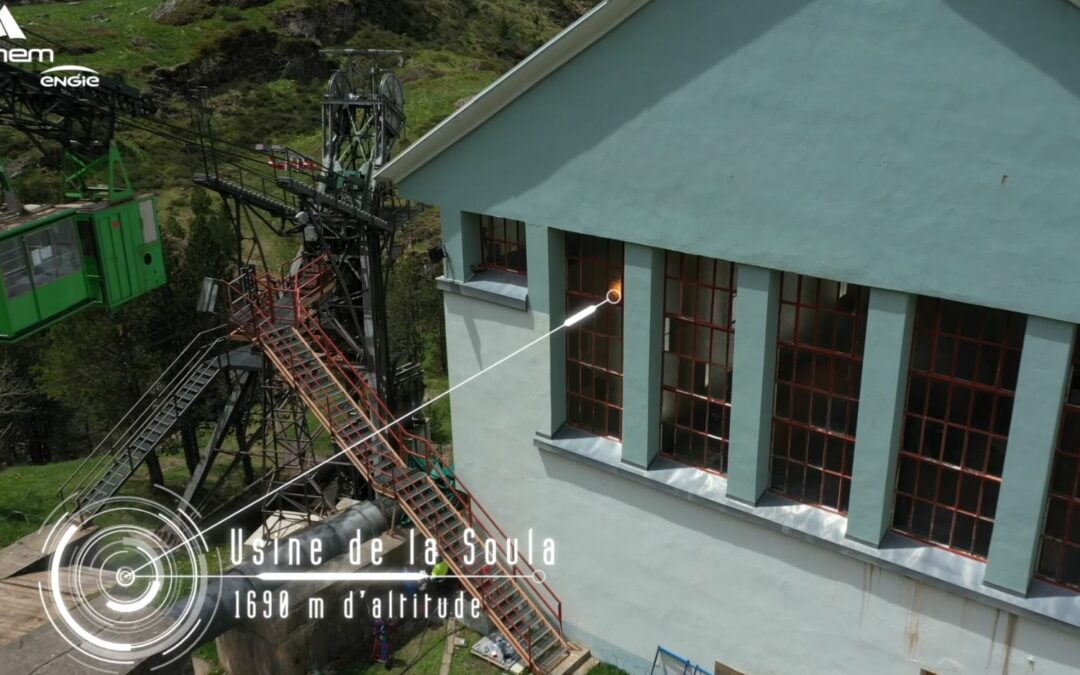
[146, 392]
[347, 380]
[383, 415]
[153, 409]
[327, 417]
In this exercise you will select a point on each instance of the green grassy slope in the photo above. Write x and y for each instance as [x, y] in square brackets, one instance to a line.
[263, 78]
[260, 70]
[28, 493]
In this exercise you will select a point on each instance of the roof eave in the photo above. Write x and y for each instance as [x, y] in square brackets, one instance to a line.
[570, 42]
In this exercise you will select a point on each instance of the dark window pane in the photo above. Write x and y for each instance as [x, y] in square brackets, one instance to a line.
[502, 246]
[698, 303]
[594, 346]
[817, 386]
[959, 405]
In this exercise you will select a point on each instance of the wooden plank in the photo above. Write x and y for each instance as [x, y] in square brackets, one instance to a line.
[21, 599]
[28, 550]
[67, 578]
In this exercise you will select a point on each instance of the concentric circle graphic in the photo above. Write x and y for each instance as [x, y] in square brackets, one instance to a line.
[135, 587]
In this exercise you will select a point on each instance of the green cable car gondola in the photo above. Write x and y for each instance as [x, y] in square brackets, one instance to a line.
[58, 260]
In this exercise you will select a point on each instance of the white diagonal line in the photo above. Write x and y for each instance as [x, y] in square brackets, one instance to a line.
[577, 318]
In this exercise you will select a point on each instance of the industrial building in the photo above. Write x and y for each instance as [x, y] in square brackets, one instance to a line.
[834, 424]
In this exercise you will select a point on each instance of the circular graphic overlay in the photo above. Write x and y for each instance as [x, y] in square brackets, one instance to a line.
[131, 588]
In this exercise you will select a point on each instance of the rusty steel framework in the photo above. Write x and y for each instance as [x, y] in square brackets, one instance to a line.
[345, 218]
[312, 404]
[281, 317]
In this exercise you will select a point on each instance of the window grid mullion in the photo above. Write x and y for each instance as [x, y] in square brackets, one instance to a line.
[952, 454]
[604, 414]
[816, 315]
[710, 330]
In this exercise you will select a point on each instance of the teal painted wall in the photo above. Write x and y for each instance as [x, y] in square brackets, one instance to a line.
[637, 566]
[928, 146]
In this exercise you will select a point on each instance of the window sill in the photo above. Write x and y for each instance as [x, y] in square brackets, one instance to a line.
[932, 565]
[496, 286]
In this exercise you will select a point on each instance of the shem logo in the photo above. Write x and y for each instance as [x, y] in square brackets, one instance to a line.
[9, 27]
[9, 30]
[58, 76]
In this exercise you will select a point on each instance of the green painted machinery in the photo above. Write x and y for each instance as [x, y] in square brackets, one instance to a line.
[101, 245]
[103, 249]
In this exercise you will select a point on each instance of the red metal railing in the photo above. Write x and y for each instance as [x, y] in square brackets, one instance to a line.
[406, 441]
[274, 313]
[333, 412]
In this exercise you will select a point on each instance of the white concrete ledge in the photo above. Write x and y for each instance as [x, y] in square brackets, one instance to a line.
[502, 288]
[935, 566]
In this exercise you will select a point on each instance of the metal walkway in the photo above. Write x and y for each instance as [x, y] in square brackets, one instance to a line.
[275, 315]
[150, 421]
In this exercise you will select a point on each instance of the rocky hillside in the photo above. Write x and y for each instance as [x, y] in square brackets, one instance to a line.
[258, 63]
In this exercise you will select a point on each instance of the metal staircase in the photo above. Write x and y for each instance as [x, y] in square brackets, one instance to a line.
[152, 419]
[259, 195]
[399, 465]
[337, 204]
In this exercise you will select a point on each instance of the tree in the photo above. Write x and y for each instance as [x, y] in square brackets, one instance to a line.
[15, 391]
[15, 395]
[415, 314]
[98, 365]
[30, 424]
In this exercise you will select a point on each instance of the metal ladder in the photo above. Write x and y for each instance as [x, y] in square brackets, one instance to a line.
[152, 419]
[517, 599]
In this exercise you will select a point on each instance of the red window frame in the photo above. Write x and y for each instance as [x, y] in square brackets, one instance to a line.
[502, 245]
[699, 338]
[1059, 553]
[594, 348]
[819, 350]
[964, 364]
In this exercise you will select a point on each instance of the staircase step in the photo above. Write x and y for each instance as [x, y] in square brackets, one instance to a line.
[508, 608]
[543, 644]
[344, 402]
[575, 661]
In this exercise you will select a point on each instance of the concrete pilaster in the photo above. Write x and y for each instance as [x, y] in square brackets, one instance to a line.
[461, 240]
[546, 254]
[756, 320]
[1040, 391]
[882, 393]
[643, 329]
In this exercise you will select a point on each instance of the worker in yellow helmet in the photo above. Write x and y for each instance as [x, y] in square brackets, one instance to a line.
[441, 569]
[441, 577]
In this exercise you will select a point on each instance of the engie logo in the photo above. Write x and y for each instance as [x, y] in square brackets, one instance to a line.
[70, 76]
